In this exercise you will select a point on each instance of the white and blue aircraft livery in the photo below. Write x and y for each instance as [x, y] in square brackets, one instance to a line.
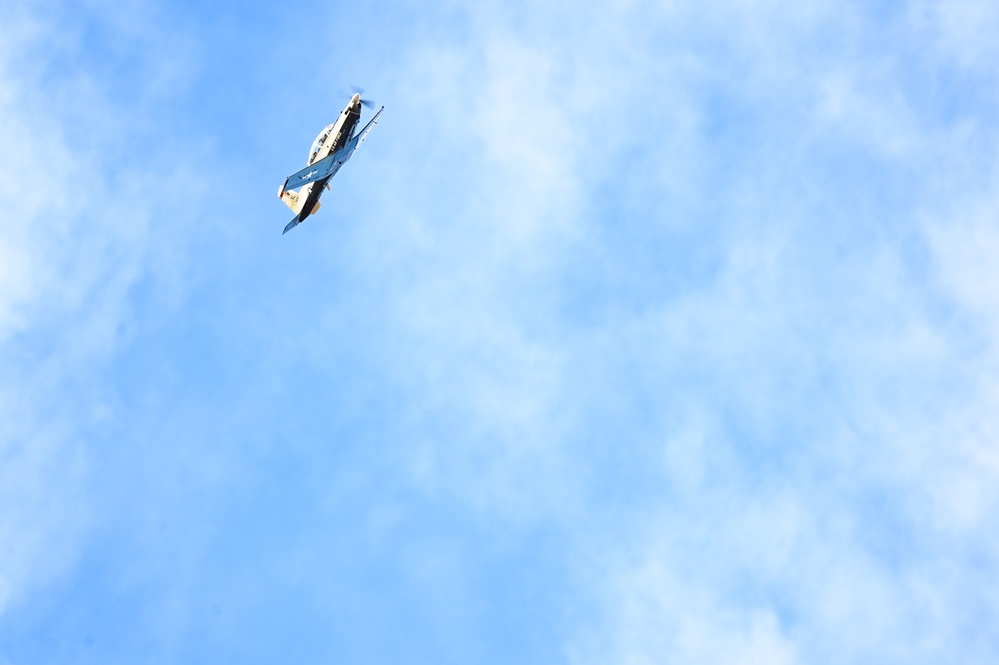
[331, 150]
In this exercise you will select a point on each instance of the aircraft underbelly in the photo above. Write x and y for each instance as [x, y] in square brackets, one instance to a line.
[312, 198]
[344, 132]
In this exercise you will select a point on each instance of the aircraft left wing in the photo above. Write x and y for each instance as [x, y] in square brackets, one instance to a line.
[313, 172]
[330, 164]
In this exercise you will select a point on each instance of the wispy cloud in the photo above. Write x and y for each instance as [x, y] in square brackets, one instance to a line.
[672, 321]
[816, 342]
[73, 242]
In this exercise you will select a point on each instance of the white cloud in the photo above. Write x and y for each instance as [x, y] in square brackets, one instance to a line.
[960, 31]
[39, 478]
[74, 236]
[965, 247]
[762, 437]
[822, 475]
[665, 618]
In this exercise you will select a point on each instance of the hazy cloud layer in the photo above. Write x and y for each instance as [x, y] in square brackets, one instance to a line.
[636, 333]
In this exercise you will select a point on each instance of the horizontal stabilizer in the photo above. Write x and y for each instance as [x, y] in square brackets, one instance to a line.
[292, 224]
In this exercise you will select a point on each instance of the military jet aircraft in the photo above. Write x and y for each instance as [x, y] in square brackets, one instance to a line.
[331, 150]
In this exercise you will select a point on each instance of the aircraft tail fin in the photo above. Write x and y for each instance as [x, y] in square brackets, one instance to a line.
[291, 199]
[294, 200]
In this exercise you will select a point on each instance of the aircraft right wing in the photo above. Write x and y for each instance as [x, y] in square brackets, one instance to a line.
[356, 141]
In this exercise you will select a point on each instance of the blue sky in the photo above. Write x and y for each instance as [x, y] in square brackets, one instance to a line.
[634, 333]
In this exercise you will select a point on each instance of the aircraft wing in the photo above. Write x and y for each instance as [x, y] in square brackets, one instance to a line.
[330, 164]
[356, 141]
[313, 172]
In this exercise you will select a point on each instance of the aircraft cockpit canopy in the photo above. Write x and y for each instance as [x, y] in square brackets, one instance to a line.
[318, 143]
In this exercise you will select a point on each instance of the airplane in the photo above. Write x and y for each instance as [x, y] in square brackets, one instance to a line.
[331, 150]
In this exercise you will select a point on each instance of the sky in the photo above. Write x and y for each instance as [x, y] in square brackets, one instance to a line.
[634, 333]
